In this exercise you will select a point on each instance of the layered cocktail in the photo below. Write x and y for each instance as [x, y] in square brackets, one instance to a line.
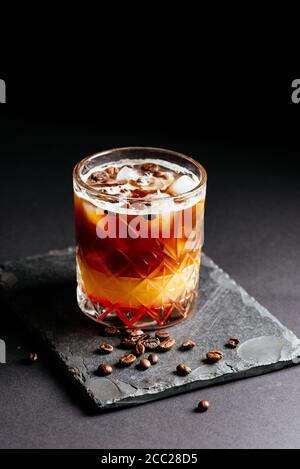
[139, 232]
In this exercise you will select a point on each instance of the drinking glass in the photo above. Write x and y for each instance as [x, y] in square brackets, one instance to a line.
[138, 259]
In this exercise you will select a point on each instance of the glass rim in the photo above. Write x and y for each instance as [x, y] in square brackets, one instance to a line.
[103, 196]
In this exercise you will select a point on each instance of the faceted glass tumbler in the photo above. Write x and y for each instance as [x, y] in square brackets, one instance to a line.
[144, 270]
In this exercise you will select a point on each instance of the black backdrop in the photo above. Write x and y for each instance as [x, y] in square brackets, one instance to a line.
[217, 88]
[217, 73]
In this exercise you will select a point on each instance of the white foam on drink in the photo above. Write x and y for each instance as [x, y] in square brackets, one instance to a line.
[159, 190]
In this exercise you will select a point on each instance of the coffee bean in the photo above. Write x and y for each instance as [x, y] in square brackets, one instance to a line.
[187, 344]
[183, 369]
[134, 332]
[112, 331]
[203, 406]
[167, 344]
[97, 177]
[105, 348]
[32, 357]
[136, 339]
[150, 167]
[144, 363]
[133, 338]
[153, 358]
[162, 335]
[142, 338]
[112, 171]
[104, 369]
[232, 343]
[127, 360]
[127, 342]
[214, 356]
[151, 343]
[139, 349]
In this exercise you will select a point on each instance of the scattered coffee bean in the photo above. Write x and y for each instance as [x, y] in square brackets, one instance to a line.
[133, 338]
[167, 344]
[32, 357]
[203, 406]
[134, 332]
[112, 330]
[232, 343]
[153, 358]
[162, 335]
[183, 369]
[144, 363]
[127, 360]
[151, 343]
[142, 338]
[137, 339]
[127, 342]
[187, 344]
[139, 349]
[104, 369]
[214, 355]
[105, 348]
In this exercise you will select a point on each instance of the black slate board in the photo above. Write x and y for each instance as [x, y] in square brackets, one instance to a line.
[41, 291]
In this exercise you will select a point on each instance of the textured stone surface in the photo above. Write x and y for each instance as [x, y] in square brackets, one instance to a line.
[41, 290]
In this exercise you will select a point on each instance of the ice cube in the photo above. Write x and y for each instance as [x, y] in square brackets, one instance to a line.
[160, 201]
[181, 185]
[127, 173]
[157, 195]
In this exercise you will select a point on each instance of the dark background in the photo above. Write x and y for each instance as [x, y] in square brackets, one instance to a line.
[220, 94]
